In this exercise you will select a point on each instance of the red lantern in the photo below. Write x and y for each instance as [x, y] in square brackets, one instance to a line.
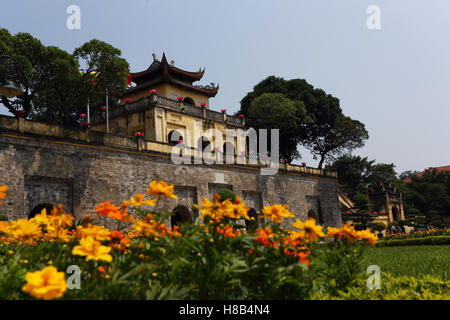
[103, 108]
[153, 91]
[82, 115]
[138, 134]
[180, 141]
[241, 116]
[304, 164]
[202, 104]
[285, 160]
[86, 124]
[127, 100]
[223, 110]
[179, 98]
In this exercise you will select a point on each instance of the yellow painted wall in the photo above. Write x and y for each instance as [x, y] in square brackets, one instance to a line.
[172, 92]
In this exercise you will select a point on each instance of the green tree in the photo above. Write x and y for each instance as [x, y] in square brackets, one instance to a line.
[383, 172]
[339, 136]
[40, 70]
[428, 194]
[328, 132]
[352, 172]
[54, 91]
[408, 174]
[269, 110]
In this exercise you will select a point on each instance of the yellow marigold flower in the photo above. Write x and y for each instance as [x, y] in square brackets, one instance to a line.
[99, 233]
[47, 283]
[277, 212]
[24, 230]
[161, 188]
[57, 210]
[61, 221]
[4, 227]
[57, 233]
[2, 194]
[139, 201]
[311, 231]
[217, 210]
[368, 236]
[41, 218]
[334, 233]
[349, 232]
[92, 249]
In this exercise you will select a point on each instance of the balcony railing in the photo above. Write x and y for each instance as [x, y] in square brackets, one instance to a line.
[172, 105]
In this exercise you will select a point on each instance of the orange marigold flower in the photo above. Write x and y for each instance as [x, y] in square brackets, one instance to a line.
[116, 234]
[265, 237]
[2, 194]
[227, 231]
[302, 258]
[106, 208]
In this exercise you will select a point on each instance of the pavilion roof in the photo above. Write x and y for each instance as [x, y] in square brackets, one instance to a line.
[163, 72]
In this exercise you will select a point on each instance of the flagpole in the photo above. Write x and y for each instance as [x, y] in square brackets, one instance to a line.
[88, 116]
[107, 112]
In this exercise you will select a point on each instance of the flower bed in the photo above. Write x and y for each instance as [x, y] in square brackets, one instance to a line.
[142, 258]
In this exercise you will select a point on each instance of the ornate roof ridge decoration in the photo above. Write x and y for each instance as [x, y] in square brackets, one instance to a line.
[163, 67]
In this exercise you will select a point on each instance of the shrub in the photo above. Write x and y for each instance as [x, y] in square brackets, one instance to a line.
[377, 226]
[227, 194]
[433, 240]
[361, 201]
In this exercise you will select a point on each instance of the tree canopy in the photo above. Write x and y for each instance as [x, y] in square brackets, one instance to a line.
[317, 121]
[54, 90]
[426, 195]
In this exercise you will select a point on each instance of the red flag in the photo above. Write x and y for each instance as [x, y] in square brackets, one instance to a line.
[128, 79]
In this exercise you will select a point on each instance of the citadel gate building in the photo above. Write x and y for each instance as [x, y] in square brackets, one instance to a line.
[45, 165]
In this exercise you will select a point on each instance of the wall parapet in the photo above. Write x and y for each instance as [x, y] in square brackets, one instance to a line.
[23, 127]
[149, 102]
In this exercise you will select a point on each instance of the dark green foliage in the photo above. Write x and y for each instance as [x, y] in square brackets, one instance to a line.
[227, 194]
[55, 91]
[305, 115]
[434, 240]
[361, 201]
[428, 196]
[377, 226]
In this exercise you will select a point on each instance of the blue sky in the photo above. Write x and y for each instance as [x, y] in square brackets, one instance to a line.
[395, 80]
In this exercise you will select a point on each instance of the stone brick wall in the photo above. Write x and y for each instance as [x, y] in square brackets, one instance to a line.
[79, 175]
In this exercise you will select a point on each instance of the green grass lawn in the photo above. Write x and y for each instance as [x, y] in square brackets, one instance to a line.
[413, 261]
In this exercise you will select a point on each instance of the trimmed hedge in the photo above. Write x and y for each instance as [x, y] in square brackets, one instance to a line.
[394, 288]
[436, 240]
